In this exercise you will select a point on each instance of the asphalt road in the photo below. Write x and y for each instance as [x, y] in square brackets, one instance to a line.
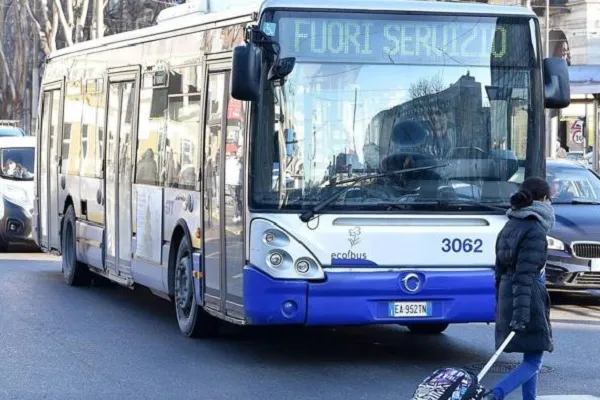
[60, 342]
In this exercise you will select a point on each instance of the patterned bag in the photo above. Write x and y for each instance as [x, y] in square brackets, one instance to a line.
[457, 383]
[449, 384]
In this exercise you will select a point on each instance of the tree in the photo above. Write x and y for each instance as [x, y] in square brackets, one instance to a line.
[32, 29]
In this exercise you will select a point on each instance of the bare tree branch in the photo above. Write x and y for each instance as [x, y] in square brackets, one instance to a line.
[43, 33]
[70, 14]
[81, 21]
[6, 68]
[68, 29]
[54, 30]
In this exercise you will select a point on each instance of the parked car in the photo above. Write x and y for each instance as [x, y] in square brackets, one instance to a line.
[17, 155]
[574, 243]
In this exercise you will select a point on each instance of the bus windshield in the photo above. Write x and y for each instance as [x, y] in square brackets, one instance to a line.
[17, 163]
[373, 93]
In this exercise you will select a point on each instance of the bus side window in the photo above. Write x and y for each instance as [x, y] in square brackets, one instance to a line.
[93, 129]
[151, 135]
[71, 138]
[181, 154]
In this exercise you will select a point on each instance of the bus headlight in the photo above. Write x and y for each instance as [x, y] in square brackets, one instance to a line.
[278, 254]
[302, 266]
[275, 259]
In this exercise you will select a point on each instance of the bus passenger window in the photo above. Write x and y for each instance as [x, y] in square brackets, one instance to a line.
[71, 139]
[92, 130]
[151, 136]
[183, 125]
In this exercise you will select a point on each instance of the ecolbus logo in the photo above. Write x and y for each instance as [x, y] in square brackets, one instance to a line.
[349, 255]
[354, 239]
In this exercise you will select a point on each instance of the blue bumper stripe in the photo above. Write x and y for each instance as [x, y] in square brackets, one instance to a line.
[349, 298]
[264, 299]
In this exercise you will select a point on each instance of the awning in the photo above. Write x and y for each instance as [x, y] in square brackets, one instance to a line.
[584, 79]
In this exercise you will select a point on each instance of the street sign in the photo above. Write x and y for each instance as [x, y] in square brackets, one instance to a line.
[577, 131]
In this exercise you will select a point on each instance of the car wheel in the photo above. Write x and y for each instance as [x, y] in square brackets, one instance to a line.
[193, 320]
[427, 329]
[75, 273]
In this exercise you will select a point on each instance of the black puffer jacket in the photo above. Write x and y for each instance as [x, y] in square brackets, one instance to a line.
[521, 294]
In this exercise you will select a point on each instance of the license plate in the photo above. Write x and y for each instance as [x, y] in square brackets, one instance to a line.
[595, 265]
[410, 309]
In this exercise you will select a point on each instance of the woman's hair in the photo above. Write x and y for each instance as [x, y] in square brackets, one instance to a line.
[532, 188]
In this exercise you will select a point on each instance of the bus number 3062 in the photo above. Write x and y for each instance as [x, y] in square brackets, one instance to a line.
[462, 245]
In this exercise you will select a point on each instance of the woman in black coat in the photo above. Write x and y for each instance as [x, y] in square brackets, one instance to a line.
[522, 301]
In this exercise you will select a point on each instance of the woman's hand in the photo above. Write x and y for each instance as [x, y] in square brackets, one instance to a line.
[518, 326]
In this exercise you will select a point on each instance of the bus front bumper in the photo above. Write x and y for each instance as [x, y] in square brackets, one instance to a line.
[362, 298]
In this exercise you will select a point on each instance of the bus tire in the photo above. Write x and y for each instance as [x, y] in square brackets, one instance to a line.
[427, 329]
[193, 320]
[74, 272]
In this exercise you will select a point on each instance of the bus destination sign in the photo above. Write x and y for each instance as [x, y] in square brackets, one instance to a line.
[395, 41]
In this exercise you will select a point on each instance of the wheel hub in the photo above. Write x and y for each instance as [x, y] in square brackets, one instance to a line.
[183, 285]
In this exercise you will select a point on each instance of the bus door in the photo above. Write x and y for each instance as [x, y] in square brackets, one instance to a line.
[121, 119]
[223, 188]
[48, 164]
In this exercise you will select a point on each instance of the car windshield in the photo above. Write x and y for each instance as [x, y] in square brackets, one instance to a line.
[4, 132]
[573, 184]
[374, 94]
[17, 163]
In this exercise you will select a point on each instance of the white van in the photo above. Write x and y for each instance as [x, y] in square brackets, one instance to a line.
[17, 161]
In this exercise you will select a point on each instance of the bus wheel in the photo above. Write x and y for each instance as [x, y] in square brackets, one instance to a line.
[74, 272]
[192, 319]
[427, 329]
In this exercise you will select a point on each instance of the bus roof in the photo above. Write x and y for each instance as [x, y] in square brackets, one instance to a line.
[197, 16]
[428, 6]
[170, 25]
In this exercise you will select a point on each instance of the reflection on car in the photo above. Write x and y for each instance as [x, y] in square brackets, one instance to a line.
[574, 243]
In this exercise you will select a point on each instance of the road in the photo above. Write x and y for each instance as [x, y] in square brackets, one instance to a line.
[60, 342]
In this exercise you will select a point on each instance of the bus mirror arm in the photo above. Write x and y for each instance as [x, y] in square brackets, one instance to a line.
[246, 67]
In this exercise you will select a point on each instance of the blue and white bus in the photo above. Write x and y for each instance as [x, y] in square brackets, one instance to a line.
[296, 163]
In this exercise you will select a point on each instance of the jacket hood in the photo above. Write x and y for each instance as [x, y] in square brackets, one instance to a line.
[539, 210]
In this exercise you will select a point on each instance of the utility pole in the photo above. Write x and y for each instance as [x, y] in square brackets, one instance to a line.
[35, 82]
[550, 141]
[547, 28]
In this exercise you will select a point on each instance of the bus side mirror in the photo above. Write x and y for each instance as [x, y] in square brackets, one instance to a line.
[281, 68]
[245, 73]
[557, 92]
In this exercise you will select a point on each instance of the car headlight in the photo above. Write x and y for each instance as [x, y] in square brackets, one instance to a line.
[554, 244]
[279, 255]
[16, 195]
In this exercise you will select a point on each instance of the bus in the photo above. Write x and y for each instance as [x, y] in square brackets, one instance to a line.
[296, 163]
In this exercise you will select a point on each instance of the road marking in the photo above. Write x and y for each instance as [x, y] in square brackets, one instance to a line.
[569, 397]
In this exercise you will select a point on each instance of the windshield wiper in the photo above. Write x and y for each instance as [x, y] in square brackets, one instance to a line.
[587, 202]
[309, 214]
